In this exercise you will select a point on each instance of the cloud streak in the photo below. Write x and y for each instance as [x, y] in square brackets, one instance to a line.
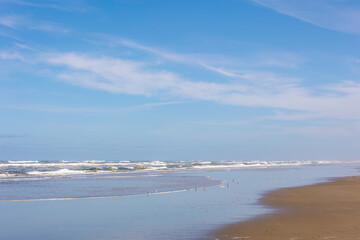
[215, 63]
[137, 78]
[64, 5]
[67, 109]
[19, 22]
[4, 55]
[331, 14]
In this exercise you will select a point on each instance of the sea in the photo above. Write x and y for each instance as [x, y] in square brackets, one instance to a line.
[153, 200]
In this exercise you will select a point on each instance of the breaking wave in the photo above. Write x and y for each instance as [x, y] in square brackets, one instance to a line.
[11, 169]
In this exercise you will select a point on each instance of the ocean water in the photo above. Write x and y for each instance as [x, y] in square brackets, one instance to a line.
[142, 200]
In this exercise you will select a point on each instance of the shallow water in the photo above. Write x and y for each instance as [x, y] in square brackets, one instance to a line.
[99, 186]
[189, 214]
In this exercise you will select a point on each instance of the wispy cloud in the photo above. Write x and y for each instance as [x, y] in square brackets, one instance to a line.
[331, 14]
[10, 56]
[53, 109]
[134, 77]
[18, 22]
[9, 21]
[6, 55]
[24, 46]
[215, 63]
[64, 5]
[155, 104]
[9, 35]
[113, 75]
[67, 109]
[239, 87]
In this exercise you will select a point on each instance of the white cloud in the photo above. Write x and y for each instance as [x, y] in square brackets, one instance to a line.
[133, 77]
[337, 15]
[11, 56]
[114, 75]
[9, 21]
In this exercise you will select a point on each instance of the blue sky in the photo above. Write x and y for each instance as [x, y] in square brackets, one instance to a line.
[180, 80]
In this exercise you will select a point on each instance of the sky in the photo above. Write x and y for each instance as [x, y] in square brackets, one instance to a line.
[178, 80]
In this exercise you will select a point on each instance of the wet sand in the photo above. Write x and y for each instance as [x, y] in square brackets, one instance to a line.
[323, 211]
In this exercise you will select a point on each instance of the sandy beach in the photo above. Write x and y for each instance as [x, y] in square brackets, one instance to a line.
[324, 211]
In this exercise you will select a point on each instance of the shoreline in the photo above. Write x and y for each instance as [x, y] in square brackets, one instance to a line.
[329, 210]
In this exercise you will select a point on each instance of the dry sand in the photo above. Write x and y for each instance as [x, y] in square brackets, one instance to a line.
[323, 211]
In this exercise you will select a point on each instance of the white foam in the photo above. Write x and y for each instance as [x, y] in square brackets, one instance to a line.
[58, 172]
[22, 161]
[5, 174]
